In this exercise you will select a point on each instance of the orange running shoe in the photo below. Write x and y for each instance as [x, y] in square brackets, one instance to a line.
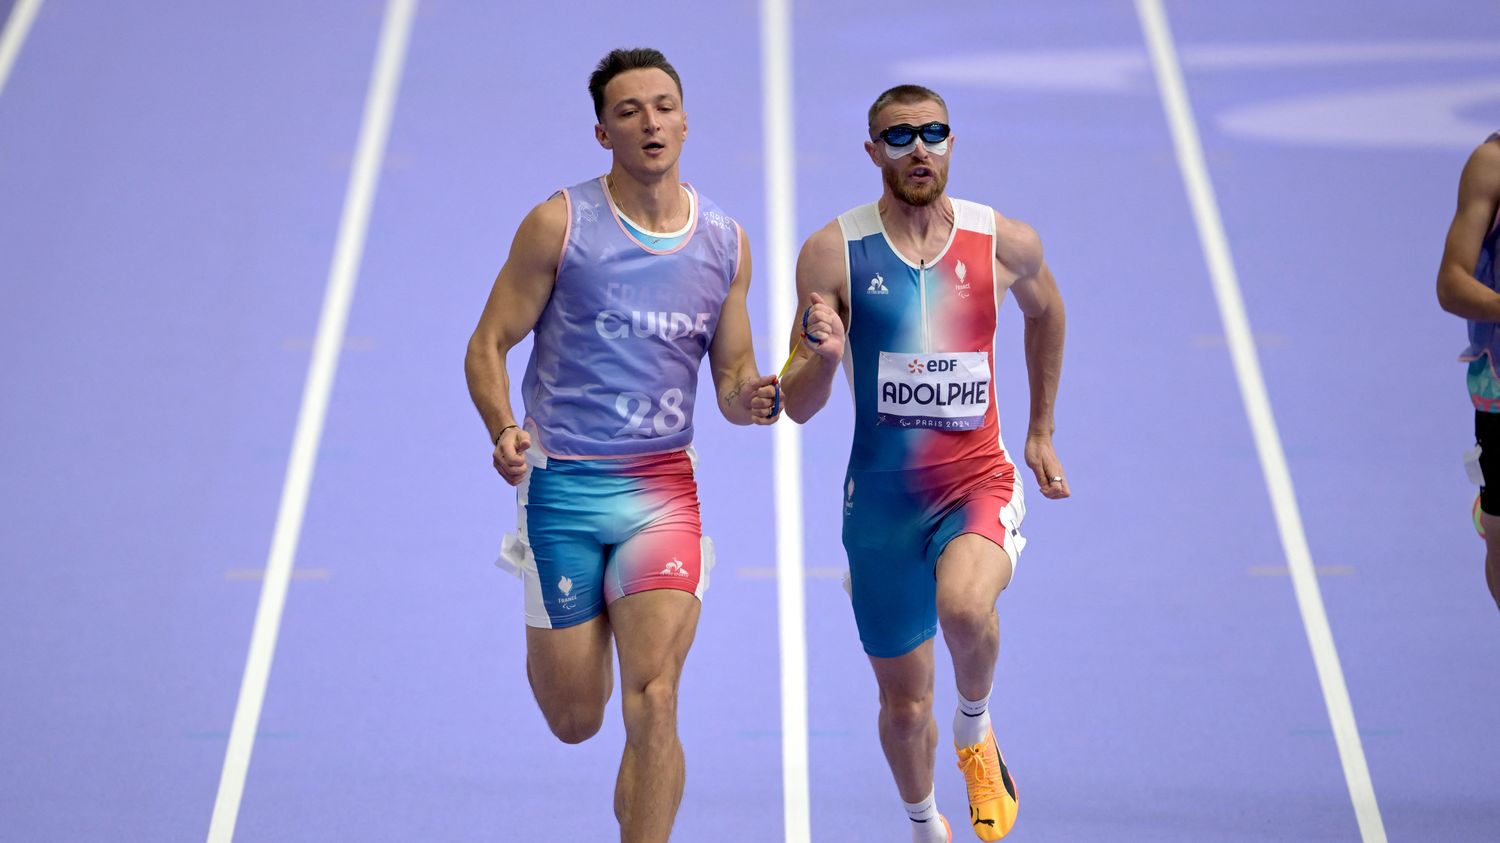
[992, 792]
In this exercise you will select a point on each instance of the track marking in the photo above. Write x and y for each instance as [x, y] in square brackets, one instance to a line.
[1285, 570]
[380, 102]
[260, 574]
[781, 206]
[1221, 341]
[359, 343]
[14, 35]
[1257, 402]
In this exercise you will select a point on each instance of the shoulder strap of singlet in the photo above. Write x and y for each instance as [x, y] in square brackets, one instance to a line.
[859, 223]
[972, 216]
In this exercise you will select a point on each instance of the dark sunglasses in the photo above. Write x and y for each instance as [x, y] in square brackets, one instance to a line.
[903, 134]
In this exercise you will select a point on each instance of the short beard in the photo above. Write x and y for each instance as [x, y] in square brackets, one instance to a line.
[919, 197]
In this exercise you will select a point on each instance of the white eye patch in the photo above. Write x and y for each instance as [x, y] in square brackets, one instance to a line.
[896, 153]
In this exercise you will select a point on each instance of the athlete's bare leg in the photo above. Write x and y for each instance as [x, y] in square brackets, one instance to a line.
[908, 732]
[971, 573]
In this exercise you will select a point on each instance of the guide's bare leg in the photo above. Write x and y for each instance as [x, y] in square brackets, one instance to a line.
[1492, 553]
[653, 630]
[572, 673]
[971, 573]
[908, 732]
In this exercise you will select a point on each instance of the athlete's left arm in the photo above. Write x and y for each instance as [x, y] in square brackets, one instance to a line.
[1018, 249]
[745, 396]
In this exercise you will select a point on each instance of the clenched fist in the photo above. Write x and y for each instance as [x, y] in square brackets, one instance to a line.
[823, 330]
[510, 454]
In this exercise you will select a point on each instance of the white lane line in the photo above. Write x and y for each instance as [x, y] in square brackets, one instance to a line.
[1258, 408]
[781, 206]
[14, 35]
[380, 104]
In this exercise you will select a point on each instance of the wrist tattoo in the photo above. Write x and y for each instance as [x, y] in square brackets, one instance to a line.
[733, 395]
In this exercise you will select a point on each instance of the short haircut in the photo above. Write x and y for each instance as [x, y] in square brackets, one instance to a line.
[619, 61]
[906, 95]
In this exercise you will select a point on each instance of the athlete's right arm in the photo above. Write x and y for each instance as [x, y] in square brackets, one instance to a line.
[521, 291]
[820, 294]
[1458, 291]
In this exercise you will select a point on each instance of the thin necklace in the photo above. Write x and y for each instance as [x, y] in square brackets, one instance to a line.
[609, 182]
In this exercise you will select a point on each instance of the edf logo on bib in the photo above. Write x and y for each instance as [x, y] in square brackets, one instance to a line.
[917, 367]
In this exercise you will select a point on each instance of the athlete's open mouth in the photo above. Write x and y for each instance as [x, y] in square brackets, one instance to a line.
[921, 172]
[655, 145]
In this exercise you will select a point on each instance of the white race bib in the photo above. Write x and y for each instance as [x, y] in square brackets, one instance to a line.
[942, 391]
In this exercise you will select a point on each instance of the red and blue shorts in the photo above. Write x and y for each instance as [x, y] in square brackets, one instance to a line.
[589, 532]
[896, 525]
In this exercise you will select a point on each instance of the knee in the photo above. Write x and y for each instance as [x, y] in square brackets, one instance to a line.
[653, 703]
[906, 715]
[966, 621]
[575, 723]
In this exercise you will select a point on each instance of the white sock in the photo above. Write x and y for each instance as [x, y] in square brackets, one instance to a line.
[972, 721]
[925, 825]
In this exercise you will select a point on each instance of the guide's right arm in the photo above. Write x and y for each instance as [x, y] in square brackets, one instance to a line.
[521, 291]
[820, 295]
[1458, 291]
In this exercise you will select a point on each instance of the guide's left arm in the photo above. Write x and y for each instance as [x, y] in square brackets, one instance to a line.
[745, 395]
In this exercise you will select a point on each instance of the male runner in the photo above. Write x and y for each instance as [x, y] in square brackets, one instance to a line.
[1466, 286]
[932, 504]
[626, 281]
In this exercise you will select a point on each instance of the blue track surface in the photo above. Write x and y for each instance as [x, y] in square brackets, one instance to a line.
[171, 180]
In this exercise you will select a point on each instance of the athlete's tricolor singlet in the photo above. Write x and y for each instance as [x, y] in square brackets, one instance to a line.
[610, 506]
[927, 463]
